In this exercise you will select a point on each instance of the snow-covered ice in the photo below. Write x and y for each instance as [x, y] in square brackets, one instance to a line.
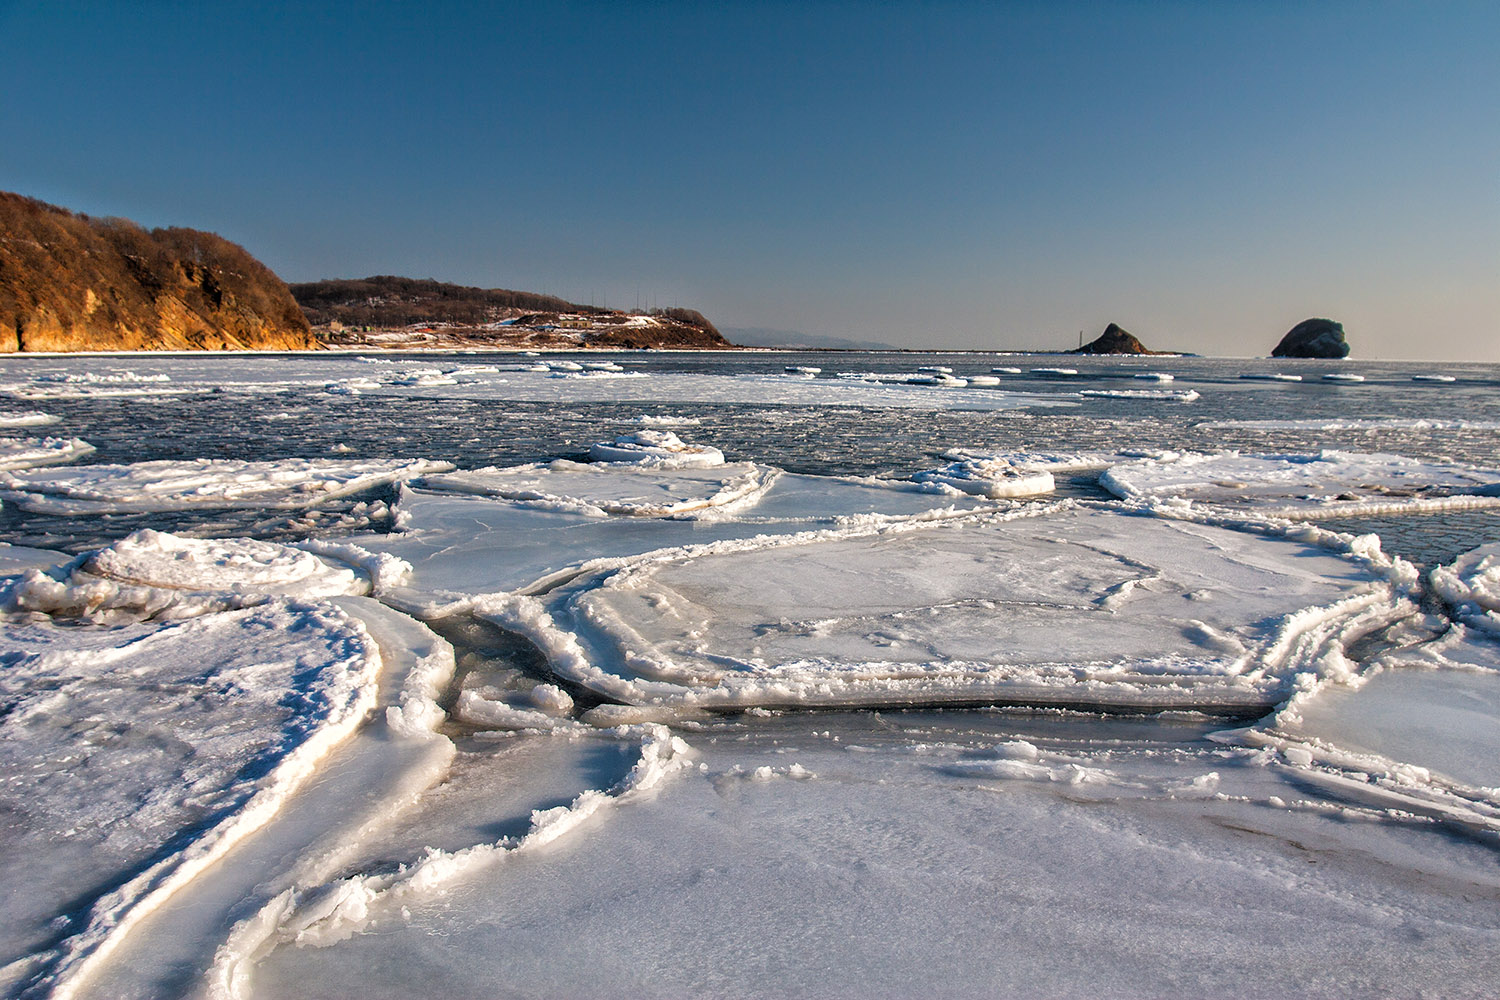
[1330, 482]
[288, 484]
[1148, 737]
[662, 449]
[639, 490]
[27, 453]
[1157, 613]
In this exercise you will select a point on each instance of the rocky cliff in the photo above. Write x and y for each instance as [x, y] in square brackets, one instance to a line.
[69, 282]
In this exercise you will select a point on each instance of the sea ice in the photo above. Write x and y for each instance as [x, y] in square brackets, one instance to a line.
[28, 453]
[136, 756]
[661, 449]
[989, 477]
[288, 484]
[1305, 486]
[1170, 874]
[28, 418]
[1068, 606]
[637, 490]
[1472, 584]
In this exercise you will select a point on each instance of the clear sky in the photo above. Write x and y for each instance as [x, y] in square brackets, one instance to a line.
[994, 175]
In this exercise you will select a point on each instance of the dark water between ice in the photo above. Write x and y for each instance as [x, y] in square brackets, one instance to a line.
[303, 421]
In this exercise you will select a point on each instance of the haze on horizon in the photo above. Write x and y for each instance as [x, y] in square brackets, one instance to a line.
[931, 175]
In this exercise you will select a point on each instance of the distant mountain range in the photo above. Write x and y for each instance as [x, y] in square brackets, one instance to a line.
[793, 340]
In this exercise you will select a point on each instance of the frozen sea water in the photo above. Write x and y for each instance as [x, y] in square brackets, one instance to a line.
[576, 716]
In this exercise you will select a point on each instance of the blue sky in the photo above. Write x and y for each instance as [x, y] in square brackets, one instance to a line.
[997, 175]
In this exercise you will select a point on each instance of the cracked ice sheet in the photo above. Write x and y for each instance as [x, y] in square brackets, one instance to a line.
[1435, 706]
[1327, 484]
[463, 545]
[287, 484]
[904, 861]
[1078, 607]
[116, 743]
[608, 488]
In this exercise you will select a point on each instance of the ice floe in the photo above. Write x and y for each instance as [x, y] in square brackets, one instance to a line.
[1159, 614]
[1472, 584]
[28, 418]
[611, 488]
[288, 484]
[28, 453]
[142, 754]
[1304, 486]
[157, 575]
[1175, 395]
[989, 477]
[1354, 424]
[662, 449]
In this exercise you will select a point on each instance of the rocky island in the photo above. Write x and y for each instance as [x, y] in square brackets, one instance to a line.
[1114, 340]
[410, 313]
[1313, 338]
[69, 282]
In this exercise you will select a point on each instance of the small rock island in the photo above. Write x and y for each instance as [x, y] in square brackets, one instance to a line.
[1114, 340]
[1313, 338]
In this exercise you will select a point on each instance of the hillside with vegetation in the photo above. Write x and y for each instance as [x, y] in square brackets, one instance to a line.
[69, 282]
[395, 312]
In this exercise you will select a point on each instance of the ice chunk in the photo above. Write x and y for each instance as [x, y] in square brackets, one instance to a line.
[288, 484]
[27, 453]
[656, 448]
[140, 755]
[989, 477]
[28, 418]
[1079, 607]
[159, 559]
[646, 490]
[1174, 395]
[1472, 582]
[1304, 486]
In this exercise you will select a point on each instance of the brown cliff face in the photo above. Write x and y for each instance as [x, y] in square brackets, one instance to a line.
[72, 283]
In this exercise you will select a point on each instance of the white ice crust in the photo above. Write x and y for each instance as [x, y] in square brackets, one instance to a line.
[28, 418]
[1293, 486]
[28, 453]
[1156, 613]
[160, 559]
[1472, 584]
[288, 484]
[660, 449]
[989, 477]
[203, 728]
[612, 488]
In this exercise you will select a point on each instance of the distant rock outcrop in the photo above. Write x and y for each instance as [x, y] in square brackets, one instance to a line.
[394, 312]
[72, 283]
[1313, 338]
[1113, 340]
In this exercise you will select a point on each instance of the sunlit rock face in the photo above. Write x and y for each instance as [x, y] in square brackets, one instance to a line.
[1313, 338]
[72, 283]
